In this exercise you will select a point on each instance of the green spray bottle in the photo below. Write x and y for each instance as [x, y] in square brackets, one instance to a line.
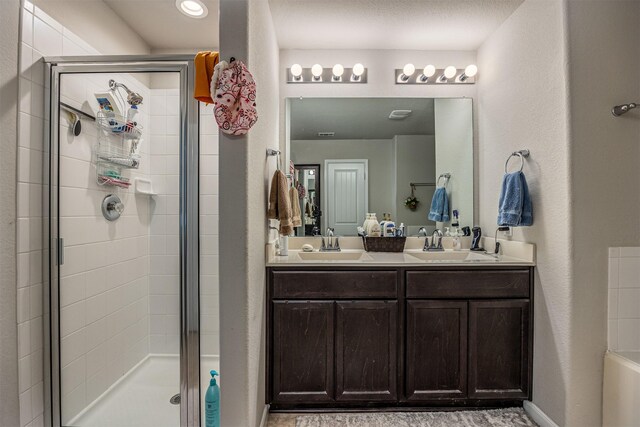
[212, 403]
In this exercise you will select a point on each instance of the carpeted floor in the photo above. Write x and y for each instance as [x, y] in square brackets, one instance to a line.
[509, 417]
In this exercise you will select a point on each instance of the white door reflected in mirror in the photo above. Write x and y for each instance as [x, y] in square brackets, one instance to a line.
[346, 196]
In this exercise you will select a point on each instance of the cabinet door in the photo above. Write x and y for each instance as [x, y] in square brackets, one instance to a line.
[366, 351]
[499, 349]
[436, 350]
[302, 351]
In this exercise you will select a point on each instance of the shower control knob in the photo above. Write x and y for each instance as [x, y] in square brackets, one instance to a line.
[112, 207]
[118, 207]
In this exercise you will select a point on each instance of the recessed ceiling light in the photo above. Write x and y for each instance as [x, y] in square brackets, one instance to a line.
[192, 8]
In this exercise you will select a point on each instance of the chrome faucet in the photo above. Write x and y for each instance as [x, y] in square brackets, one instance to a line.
[422, 232]
[330, 244]
[437, 234]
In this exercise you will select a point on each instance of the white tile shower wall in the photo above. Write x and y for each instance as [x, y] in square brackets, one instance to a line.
[164, 279]
[209, 218]
[164, 286]
[41, 36]
[104, 287]
[624, 299]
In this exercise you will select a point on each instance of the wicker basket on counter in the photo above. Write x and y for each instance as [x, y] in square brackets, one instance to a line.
[384, 244]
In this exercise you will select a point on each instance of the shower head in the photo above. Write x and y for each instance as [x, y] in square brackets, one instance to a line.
[619, 110]
[133, 98]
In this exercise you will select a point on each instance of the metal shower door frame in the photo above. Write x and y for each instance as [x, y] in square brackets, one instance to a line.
[189, 221]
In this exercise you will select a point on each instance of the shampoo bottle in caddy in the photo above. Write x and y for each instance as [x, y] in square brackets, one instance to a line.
[212, 403]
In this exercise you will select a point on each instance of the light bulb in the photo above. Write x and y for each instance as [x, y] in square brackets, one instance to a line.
[338, 69]
[316, 70]
[358, 69]
[450, 72]
[296, 70]
[429, 71]
[192, 8]
[408, 70]
[471, 70]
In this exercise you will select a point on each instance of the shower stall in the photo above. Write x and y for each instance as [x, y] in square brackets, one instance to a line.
[130, 222]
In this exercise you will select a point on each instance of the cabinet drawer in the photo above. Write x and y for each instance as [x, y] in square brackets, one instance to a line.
[334, 284]
[468, 284]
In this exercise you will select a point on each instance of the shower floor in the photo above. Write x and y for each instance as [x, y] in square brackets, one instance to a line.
[141, 398]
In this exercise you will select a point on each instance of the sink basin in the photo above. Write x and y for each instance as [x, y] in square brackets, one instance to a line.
[439, 256]
[331, 256]
[452, 256]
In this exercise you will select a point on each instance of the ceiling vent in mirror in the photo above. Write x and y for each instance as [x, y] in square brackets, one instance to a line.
[326, 134]
[399, 114]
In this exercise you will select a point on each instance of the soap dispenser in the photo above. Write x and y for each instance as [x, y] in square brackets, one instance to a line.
[212, 402]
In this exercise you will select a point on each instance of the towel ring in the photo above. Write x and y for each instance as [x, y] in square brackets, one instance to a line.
[444, 176]
[522, 154]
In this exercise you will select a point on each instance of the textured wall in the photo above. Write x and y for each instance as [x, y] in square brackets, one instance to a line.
[605, 152]
[247, 33]
[522, 95]
[263, 61]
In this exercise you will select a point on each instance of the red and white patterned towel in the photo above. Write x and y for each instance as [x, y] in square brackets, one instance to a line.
[235, 100]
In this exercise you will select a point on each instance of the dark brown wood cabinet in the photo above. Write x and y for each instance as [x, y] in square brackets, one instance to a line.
[348, 337]
[303, 351]
[366, 347]
[436, 350]
[499, 349]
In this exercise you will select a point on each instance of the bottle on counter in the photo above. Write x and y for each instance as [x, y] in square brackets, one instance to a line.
[457, 244]
[375, 230]
[369, 222]
[387, 226]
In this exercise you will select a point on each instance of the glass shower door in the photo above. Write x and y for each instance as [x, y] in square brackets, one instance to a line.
[123, 338]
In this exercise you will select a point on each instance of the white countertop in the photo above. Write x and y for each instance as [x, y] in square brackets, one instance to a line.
[512, 254]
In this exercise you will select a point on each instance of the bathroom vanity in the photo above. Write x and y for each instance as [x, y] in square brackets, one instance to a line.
[355, 329]
[395, 330]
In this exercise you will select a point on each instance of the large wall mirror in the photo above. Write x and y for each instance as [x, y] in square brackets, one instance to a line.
[353, 156]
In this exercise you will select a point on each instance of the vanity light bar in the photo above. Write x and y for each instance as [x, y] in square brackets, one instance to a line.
[336, 74]
[430, 75]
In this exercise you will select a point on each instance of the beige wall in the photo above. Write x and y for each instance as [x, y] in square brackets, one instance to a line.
[9, 42]
[247, 33]
[582, 173]
[522, 96]
[605, 152]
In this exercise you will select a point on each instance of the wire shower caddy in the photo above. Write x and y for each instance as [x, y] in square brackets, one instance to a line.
[116, 150]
